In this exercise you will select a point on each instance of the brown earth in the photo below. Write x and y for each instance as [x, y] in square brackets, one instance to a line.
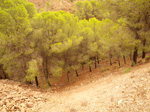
[122, 89]
[85, 77]
[106, 89]
[54, 5]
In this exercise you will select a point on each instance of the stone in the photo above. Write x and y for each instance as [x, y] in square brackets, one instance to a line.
[3, 110]
[9, 97]
[39, 99]
[16, 107]
[1, 104]
[24, 98]
[22, 105]
[29, 104]
[23, 110]
[119, 101]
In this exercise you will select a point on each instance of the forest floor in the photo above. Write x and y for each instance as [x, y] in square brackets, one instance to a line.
[124, 89]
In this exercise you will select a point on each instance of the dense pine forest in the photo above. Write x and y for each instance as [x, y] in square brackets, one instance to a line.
[36, 45]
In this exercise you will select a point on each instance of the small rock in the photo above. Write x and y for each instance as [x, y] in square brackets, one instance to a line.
[29, 104]
[16, 107]
[81, 84]
[3, 110]
[28, 110]
[73, 110]
[9, 97]
[22, 105]
[1, 104]
[39, 99]
[119, 101]
[117, 87]
[23, 98]
[23, 110]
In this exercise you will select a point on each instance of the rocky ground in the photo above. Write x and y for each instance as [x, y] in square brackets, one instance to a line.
[54, 5]
[16, 97]
[117, 92]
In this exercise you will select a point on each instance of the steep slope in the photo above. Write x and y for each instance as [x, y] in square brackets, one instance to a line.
[115, 92]
[54, 5]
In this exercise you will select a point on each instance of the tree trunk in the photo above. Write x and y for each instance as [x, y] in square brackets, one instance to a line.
[143, 52]
[45, 69]
[90, 69]
[47, 73]
[36, 80]
[5, 76]
[95, 63]
[47, 77]
[135, 54]
[137, 37]
[110, 59]
[82, 66]
[77, 73]
[68, 76]
[118, 61]
[97, 58]
[124, 58]
[130, 56]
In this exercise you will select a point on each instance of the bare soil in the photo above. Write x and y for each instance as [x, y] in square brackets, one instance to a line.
[54, 5]
[105, 89]
[116, 90]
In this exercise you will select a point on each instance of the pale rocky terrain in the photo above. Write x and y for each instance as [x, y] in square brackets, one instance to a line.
[14, 97]
[55, 5]
[116, 92]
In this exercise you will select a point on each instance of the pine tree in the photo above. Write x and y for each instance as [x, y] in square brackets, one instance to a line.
[14, 18]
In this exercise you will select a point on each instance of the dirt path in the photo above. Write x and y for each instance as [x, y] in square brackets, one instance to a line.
[112, 93]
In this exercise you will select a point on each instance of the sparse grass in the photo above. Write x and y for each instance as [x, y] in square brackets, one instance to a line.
[72, 80]
[127, 70]
[44, 86]
[147, 57]
[105, 69]
[71, 0]
[133, 63]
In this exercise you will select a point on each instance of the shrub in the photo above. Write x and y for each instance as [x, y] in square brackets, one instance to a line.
[71, 0]
[147, 57]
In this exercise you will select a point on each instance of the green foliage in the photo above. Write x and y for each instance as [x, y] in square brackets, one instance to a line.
[147, 57]
[133, 63]
[60, 42]
[71, 0]
[127, 70]
[104, 69]
[14, 30]
[32, 70]
[88, 9]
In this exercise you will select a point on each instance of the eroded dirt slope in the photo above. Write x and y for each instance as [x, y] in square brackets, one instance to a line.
[113, 93]
[55, 5]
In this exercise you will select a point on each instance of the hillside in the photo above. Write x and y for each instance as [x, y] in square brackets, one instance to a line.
[115, 92]
[54, 5]
[94, 59]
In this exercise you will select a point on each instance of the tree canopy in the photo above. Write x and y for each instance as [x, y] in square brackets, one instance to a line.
[48, 44]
